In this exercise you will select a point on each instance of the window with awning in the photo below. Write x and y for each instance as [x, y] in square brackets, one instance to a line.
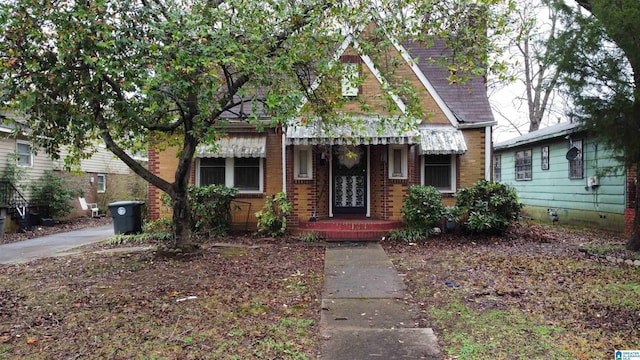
[442, 141]
[235, 161]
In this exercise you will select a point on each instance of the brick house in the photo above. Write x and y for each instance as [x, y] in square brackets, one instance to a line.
[361, 173]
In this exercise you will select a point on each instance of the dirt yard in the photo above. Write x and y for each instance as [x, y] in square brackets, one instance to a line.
[538, 293]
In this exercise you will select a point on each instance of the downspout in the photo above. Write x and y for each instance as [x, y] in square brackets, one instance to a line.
[487, 153]
[368, 215]
[284, 162]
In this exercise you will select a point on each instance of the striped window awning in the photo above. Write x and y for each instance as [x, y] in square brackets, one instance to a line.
[361, 132]
[441, 141]
[235, 147]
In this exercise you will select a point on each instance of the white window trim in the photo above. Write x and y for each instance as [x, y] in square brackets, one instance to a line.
[228, 176]
[98, 176]
[350, 74]
[21, 142]
[453, 174]
[296, 162]
[404, 173]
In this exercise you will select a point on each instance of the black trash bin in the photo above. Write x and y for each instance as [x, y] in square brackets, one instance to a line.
[127, 216]
[1, 226]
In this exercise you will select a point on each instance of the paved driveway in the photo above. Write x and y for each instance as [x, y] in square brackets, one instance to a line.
[52, 245]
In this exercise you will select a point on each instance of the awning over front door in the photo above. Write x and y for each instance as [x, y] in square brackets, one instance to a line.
[361, 132]
[235, 147]
[441, 141]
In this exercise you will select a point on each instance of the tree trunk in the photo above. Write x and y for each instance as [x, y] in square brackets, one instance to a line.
[181, 219]
[634, 241]
[180, 190]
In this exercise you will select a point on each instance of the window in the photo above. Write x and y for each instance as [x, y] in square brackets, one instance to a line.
[439, 172]
[544, 158]
[101, 184]
[523, 165]
[24, 157]
[397, 161]
[212, 171]
[246, 174]
[497, 167]
[350, 76]
[302, 163]
[575, 166]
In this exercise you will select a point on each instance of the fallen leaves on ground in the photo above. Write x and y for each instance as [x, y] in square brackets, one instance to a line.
[261, 302]
[530, 294]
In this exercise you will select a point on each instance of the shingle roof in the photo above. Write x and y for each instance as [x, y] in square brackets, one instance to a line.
[468, 101]
[549, 132]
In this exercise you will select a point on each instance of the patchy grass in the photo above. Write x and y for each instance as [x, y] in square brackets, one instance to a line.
[221, 304]
[531, 295]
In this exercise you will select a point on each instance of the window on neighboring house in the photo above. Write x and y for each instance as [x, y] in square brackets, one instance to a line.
[439, 171]
[576, 168]
[397, 161]
[523, 165]
[101, 184]
[497, 167]
[24, 156]
[350, 75]
[544, 158]
[302, 163]
[246, 174]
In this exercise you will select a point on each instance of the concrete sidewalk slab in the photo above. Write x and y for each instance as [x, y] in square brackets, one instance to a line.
[383, 344]
[355, 253]
[365, 314]
[364, 281]
[360, 271]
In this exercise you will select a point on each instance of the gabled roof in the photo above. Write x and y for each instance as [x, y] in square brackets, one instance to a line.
[468, 101]
[463, 104]
[550, 132]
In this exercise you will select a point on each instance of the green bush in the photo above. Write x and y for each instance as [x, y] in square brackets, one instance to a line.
[163, 224]
[410, 235]
[310, 237]
[488, 207]
[211, 209]
[272, 219]
[422, 208]
[56, 192]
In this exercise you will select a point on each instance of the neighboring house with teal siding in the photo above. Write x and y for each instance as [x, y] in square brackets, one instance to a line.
[562, 170]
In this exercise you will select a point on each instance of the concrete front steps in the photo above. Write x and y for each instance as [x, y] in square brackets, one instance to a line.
[347, 229]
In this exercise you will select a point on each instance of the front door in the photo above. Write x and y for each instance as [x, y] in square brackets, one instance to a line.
[349, 180]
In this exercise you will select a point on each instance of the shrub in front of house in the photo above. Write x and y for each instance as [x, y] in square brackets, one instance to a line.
[272, 219]
[487, 208]
[211, 209]
[56, 192]
[421, 212]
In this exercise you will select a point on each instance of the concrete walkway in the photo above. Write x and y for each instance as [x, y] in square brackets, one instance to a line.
[52, 245]
[364, 315]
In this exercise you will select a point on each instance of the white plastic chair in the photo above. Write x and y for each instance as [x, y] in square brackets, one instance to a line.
[89, 206]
